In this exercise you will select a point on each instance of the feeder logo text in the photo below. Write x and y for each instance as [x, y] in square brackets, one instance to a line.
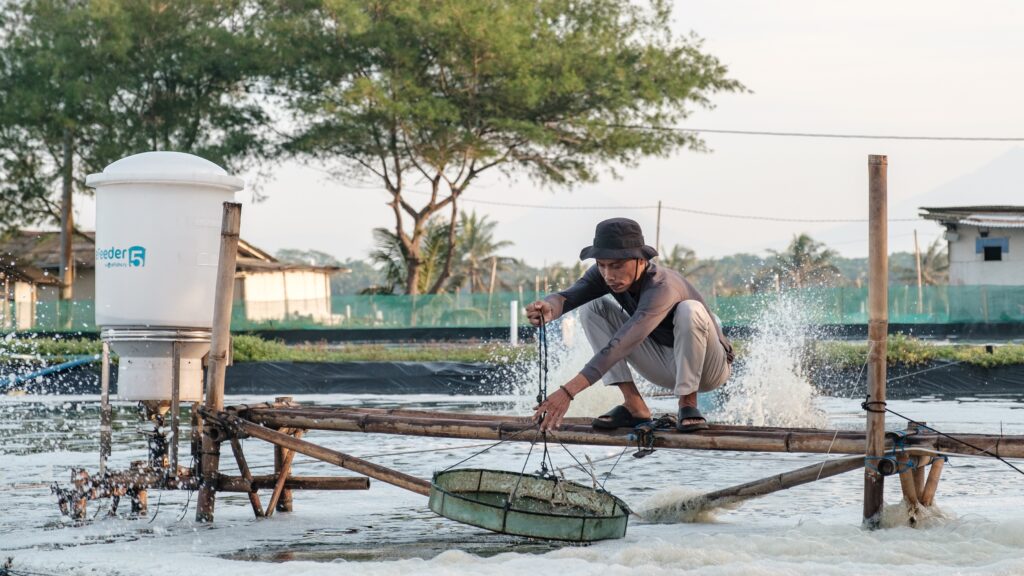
[132, 257]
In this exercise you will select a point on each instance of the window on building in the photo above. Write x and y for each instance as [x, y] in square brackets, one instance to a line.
[993, 253]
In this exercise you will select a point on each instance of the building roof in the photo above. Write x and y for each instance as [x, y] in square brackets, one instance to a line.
[36, 251]
[16, 269]
[978, 216]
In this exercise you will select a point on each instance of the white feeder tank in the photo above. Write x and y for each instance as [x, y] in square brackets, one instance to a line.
[158, 220]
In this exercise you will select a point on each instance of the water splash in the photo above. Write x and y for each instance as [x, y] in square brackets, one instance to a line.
[770, 387]
[681, 504]
[569, 351]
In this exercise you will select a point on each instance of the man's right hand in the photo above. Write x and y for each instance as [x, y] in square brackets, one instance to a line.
[538, 312]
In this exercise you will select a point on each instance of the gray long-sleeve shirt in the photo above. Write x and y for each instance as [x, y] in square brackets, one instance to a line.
[651, 312]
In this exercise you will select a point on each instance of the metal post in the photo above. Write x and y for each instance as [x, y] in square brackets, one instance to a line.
[219, 342]
[172, 466]
[878, 325]
[106, 429]
[513, 322]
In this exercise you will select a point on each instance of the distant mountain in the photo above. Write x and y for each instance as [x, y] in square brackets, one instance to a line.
[998, 182]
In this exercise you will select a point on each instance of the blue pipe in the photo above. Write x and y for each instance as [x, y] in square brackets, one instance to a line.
[78, 361]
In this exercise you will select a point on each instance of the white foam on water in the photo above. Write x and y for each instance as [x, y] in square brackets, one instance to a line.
[680, 504]
[770, 388]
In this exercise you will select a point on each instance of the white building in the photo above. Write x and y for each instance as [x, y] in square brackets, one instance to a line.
[269, 290]
[986, 243]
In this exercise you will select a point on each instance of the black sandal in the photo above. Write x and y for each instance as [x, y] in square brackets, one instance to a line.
[690, 413]
[618, 417]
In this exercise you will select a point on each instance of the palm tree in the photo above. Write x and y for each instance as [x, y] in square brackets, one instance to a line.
[476, 249]
[934, 267]
[681, 259]
[390, 257]
[805, 262]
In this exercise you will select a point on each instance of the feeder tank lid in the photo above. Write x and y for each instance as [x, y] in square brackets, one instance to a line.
[165, 168]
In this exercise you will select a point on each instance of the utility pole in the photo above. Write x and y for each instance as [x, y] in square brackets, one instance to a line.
[657, 233]
[920, 290]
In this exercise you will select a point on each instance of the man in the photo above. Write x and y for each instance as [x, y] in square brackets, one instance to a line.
[641, 316]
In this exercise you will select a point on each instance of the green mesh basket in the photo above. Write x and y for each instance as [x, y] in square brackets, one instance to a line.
[528, 505]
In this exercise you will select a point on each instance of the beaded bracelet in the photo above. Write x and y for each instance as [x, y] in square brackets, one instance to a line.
[567, 393]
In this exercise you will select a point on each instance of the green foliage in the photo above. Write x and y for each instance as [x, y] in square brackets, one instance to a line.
[113, 78]
[910, 351]
[805, 262]
[255, 349]
[433, 93]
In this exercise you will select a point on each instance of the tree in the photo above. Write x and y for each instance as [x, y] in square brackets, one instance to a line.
[391, 258]
[805, 262]
[307, 257]
[934, 266]
[679, 258]
[428, 95]
[476, 247]
[83, 84]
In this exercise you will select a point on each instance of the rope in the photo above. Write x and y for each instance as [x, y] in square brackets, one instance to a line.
[953, 438]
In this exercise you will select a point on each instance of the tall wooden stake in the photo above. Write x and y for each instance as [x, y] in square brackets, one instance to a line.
[878, 326]
[219, 342]
[657, 233]
[67, 266]
[106, 425]
[920, 290]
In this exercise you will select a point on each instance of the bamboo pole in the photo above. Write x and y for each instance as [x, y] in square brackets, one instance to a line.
[172, 461]
[219, 342]
[106, 416]
[243, 467]
[240, 484]
[920, 462]
[284, 502]
[579, 431]
[778, 482]
[907, 484]
[928, 494]
[352, 463]
[920, 289]
[878, 323]
[283, 472]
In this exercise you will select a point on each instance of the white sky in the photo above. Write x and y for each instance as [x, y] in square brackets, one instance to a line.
[939, 68]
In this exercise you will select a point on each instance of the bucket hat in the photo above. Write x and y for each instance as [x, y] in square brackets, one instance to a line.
[618, 239]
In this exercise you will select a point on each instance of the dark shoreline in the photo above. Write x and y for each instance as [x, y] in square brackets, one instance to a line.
[936, 378]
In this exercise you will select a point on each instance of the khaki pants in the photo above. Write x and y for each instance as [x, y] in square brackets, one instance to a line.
[696, 363]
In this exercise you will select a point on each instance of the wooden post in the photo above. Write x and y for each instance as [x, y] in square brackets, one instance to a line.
[281, 499]
[172, 464]
[920, 289]
[284, 502]
[907, 479]
[106, 425]
[878, 325]
[67, 265]
[283, 472]
[657, 233]
[928, 495]
[243, 467]
[219, 342]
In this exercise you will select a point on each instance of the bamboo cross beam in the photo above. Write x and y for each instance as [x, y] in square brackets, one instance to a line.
[757, 488]
[579, 431]
[232, 422]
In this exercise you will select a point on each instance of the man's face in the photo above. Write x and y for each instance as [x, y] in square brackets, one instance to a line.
[619, 275]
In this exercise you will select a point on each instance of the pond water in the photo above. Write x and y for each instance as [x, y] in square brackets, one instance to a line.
[977, 526]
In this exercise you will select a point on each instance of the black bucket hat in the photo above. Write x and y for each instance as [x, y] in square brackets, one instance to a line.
[618, 239]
